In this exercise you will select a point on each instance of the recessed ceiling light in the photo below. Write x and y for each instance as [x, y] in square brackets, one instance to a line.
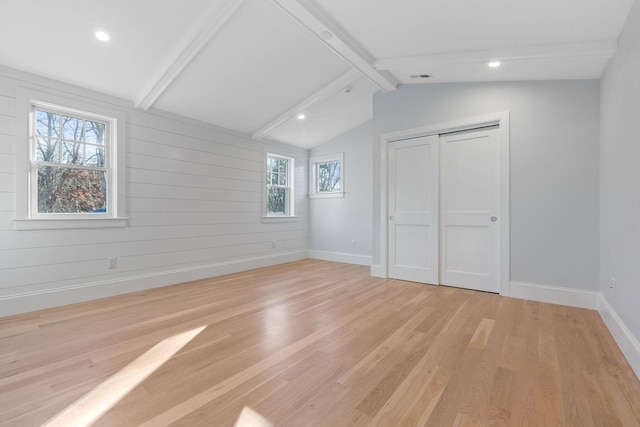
[102, 36]
[301, 116]
[494, 64]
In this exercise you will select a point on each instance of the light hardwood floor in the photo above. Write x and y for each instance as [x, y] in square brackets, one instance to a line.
[314, 343]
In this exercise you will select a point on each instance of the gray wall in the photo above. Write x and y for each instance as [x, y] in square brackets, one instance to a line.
[620, 176]
[554, 166]
[335, 222]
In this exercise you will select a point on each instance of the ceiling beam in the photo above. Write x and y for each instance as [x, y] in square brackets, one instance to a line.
[328, 33]
[574, 50]
[207, 27]
[334, 87]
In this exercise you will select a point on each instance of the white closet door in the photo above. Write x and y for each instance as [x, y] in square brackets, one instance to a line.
[413, 209]
[469, 210]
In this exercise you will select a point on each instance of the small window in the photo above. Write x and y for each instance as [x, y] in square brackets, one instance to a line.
[74, 162]
[280, 189]
[326, 176]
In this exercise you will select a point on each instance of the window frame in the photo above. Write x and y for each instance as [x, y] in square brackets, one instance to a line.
[27, 217]
[313, 175]
[269, 217]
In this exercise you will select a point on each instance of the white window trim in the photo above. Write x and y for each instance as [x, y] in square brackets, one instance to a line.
[313, 174]
[266, 217]
[25, 220]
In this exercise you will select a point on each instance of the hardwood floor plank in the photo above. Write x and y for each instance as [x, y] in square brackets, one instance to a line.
[195, 402]
[91, 406]
[392, 381]
[576, 402]
[403, 397]
[316, 343]
[379, 352]
[463, 420]
[481, 334]
[525, 409]
[502, 388]
[549, 390]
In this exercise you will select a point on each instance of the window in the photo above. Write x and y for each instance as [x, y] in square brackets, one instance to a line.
[70, 171]
[326, 176]
[280, 189]
[73, 162]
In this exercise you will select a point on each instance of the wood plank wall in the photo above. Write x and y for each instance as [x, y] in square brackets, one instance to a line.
[194, 198]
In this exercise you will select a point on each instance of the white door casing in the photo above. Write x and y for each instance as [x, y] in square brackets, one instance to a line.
[413, 209]
[470, 210]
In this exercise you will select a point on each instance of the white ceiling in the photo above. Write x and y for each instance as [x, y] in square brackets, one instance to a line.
[253, 65]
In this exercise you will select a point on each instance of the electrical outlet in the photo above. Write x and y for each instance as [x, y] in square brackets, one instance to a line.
[112, 262]
[273, 244]
[612, 283]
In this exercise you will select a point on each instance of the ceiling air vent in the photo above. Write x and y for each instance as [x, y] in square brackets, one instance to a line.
[420, 76]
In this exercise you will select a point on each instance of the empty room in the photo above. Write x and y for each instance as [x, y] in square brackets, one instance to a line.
[320, 213]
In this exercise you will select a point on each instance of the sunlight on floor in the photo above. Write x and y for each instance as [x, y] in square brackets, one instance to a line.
[250, 418]
[86, 410]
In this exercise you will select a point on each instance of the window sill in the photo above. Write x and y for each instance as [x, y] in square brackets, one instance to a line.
[326, 195]
[283, 218]
[64, 224]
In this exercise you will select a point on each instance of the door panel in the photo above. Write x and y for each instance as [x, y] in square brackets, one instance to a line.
[466, 175]
[413, 209]
[467, 250]
[412, 178]
[418, 253]
[470, 198]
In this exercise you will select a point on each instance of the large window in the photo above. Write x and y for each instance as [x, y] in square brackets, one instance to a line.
[280, 189]
[326, 176]
[74, 163]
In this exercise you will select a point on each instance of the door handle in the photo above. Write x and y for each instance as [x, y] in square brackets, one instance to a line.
[494, 218]
[391, 218]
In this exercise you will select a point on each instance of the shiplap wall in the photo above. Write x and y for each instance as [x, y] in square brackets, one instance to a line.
[194, 208]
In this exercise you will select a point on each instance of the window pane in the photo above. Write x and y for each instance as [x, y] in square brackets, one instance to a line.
[47, 150]
[277, 201]
[94, 155]
[282, 179]
[328, 178]
[71, 153]
[66, 190]
[72, 128]
[274, 165]
[94, 132]
[47, 124]
[282, 166]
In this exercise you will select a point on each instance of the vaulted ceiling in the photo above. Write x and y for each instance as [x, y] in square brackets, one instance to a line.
[254, 65]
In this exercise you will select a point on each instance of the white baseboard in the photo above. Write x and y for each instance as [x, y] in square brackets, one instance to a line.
[340, 257]
[22, 303]
[378, 270]
[628, 343]
[554, 295]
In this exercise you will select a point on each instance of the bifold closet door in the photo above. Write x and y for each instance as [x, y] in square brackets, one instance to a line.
[413, 209]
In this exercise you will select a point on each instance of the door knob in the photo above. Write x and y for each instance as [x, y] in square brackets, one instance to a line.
[392, 217]
[494, 218]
